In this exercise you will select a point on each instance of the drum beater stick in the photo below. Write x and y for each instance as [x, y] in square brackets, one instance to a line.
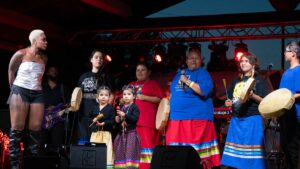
[224, 84]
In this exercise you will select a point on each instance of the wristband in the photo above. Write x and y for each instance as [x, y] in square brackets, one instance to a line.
[188, 82]
[191, 84]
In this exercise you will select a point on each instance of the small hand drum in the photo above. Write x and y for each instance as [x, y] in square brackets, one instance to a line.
[247, 89]
[162, 114]
[76, 99]
[276, 103]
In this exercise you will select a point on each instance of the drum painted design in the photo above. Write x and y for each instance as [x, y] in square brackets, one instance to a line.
[247, 89]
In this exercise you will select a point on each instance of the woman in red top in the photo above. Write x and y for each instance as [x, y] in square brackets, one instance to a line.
[149, 94]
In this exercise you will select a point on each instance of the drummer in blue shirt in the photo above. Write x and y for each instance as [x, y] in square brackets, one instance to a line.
[290, 121]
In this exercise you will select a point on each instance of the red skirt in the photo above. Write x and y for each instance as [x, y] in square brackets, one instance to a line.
[199, 134]
[149, 139]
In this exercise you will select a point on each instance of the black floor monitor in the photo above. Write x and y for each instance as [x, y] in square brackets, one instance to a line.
[175, 157]
[88, 156]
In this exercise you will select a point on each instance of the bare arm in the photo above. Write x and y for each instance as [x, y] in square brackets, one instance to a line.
[13, 66]
[255, 97]
[297, 96]
[152, 99]
[195, 86]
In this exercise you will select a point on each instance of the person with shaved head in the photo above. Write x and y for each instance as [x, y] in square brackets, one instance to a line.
[25, 72]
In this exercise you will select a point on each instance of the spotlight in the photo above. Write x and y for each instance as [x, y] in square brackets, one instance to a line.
[157, 58]
[238, 56]
[108, 58]
[159, 53]
[240, 49]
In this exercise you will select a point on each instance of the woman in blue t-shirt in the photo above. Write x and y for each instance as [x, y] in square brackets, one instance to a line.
[191, 110]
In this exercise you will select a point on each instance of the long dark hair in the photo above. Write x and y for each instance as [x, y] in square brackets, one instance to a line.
[102, 74]
[102, 54]
[253, 61]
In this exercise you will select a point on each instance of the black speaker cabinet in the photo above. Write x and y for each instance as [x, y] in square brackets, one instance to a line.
[44, 162]
[88, 157]
[175, 157]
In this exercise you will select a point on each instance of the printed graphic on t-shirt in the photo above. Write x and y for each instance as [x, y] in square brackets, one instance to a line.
[180, 86]
[138, 88]
[89, 84]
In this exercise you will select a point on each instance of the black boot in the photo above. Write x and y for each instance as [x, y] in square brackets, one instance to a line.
[34, 142]
[15, 138]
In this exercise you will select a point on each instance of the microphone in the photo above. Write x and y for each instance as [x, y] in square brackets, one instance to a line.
[182, 72]
[98, 117]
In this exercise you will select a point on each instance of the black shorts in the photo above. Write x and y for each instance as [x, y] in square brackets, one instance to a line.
[27, 95]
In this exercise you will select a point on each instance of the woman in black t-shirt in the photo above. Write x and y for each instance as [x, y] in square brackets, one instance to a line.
[89, 83]
[244, 142]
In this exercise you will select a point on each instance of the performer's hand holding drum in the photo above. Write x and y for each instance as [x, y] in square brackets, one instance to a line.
[162, 114]
[247, 90]
[276, 103]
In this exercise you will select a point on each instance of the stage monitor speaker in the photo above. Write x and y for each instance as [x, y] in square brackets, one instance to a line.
[175, 157]
[44, 162]
[88, 157]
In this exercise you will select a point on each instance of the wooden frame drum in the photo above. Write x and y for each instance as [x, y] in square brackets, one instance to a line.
[276, 103]
[76, 99]
[247, 89]
[162, 114]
